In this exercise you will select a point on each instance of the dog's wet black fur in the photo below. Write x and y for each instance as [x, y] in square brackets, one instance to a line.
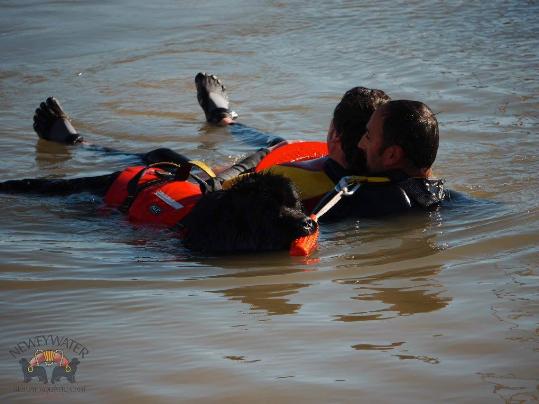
[260, 212]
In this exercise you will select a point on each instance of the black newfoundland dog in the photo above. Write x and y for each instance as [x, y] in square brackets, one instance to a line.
[260, 212]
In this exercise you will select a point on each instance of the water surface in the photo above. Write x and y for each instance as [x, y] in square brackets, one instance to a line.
[423, 308]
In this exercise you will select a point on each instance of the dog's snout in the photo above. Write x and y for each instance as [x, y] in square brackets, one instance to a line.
[308, 226]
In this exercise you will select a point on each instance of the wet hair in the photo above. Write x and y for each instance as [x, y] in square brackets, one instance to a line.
[260, 212]
[351, 115]
[413, 126]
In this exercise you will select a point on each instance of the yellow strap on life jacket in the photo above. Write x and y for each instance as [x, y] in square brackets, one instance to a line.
[227, 184]
[309, 183]
[203, 166]
[362, 179]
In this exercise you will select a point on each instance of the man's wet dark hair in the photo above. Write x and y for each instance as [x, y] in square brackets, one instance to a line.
[414, 127]
[352, 114]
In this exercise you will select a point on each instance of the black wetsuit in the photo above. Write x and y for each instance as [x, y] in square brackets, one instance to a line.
[403, 193]
[97, 185]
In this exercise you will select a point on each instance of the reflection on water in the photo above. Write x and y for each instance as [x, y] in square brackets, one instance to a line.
[373, 347]
[256, 273]
[384, 241]
[270, 298]
[452, 295]
[397, 293]
[422, 358]
[511, 388]
[49, 155]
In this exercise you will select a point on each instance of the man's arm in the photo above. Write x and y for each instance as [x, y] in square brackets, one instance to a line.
[48, 186]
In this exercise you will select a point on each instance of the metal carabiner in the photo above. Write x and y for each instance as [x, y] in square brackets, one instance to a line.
[343, 186]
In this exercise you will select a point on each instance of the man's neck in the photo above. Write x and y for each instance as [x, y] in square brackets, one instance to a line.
[412, 171]
[337, 155]
[419, 173]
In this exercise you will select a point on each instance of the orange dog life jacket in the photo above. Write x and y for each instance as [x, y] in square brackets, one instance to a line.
[151, 196]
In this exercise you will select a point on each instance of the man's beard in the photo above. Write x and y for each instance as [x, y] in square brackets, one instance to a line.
[357, 161]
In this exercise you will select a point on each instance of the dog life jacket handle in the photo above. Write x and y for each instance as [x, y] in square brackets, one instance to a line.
[179, 172]
[347, 186]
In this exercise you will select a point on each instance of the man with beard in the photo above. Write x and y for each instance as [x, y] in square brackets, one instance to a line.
[393, 144]
[400, 144]
[314, 177]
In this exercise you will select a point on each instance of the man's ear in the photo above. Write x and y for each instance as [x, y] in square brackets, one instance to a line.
[334, 142]
[393, 157]
[333, 137]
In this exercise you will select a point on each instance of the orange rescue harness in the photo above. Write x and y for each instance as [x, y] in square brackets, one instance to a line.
[151, 195]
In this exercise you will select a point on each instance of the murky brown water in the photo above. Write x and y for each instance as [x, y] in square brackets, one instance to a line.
[415, 309]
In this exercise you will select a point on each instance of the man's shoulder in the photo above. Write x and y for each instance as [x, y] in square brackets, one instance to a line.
[425, 193]
[378, 199]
